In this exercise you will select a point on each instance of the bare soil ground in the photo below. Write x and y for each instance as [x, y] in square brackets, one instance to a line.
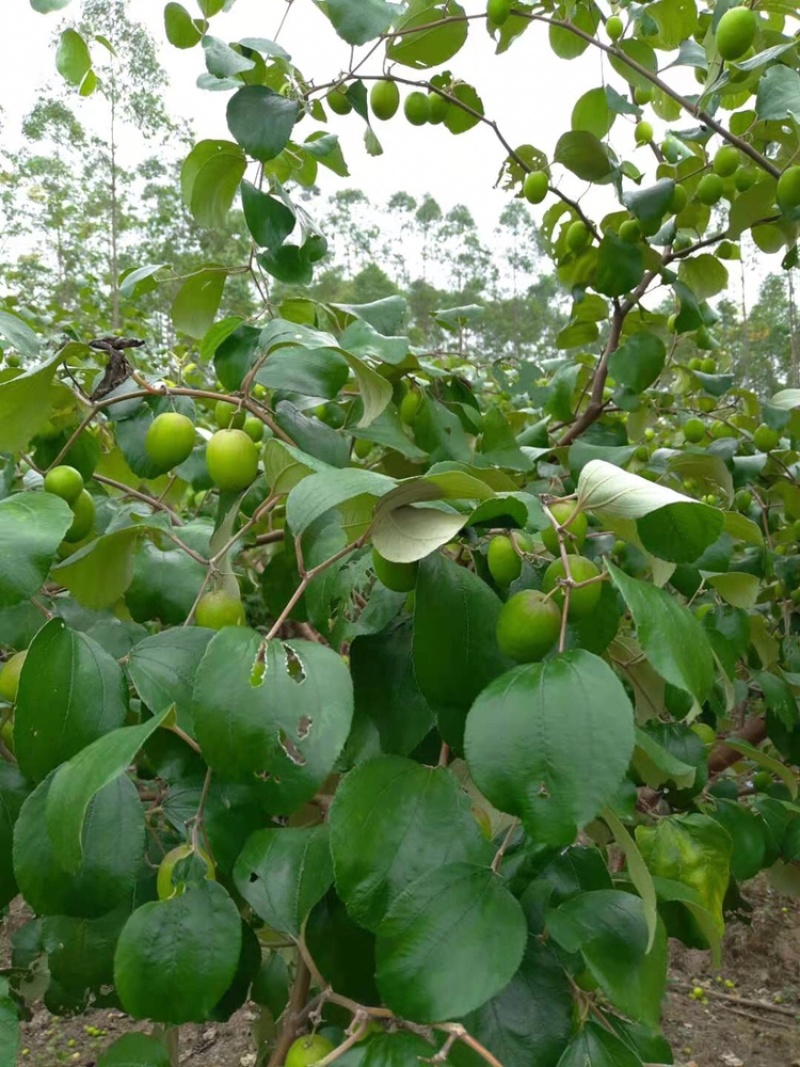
[749, 1016]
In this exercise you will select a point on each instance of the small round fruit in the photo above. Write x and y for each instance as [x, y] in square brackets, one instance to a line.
[528, 626]
[83, 521]
[439, 106]
[535, 187]
[709, 189]
[681, 243]
[694, 430]
[232, 460]
[765, 438]
[170, 439]
[578, 527]
[745, 178]
[736, 31]
[65, 482]
[399, 577]
[762, 780]
[614, 27]
[505, 565]
[725, 250]
[384, 99]
[362, 448]
[708, 365]
[338, 102]
[726, 161]
[227, 417]
[409, 406]
[9, 677]
[254, 428]
[680, 198]
[578, 236]
[644, 132]
[643, 94]
[218, 609]
[308, 1050]
[164, 884]
[743, 500]
[582, 602]
[706, 733]
[630, 231]
[497, 11]
[417, 109]
[788, 194]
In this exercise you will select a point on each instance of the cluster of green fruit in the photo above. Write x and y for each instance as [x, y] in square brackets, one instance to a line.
[67, 482]
[384, 101]
[530, 621]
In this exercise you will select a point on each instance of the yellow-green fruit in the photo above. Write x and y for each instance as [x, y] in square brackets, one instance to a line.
[528, 626]
[9, 677]
[338, 102]
[232, 460]
[535, 187]
[409, 406]
[709, 189]
[254, 428]
[218, 609]
[399, 577]
[362, 448]
[614, 27]
[578, 236]
[681, 243]
[578, 527]
[505, 565]
[726, 161]
[227, 417]
[765, 438]
[384, 99]
[582, 602]
[630, 231]
[708, 365]
[417, 109]
[309, 1050]
[680, 198]
[644, 132]
[694, 430]
[497, 11]
[170, 439]
[164, 878]
[745, 178]
[643, 94]
[736, 31]
[438, 107]
[83, 521]
[788, 194]
[65, 482]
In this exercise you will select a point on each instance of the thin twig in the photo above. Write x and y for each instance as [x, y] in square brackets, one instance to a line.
[498, 856]
[297, 999]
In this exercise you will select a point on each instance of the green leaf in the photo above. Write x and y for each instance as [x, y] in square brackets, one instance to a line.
[71, 692]
[736, 588]
[283, 873]
[360, 21]
[569, 45]
[778, 95]
[176, 958]
[673, 640]
[456, 119]
[429, 47]
[73, 60]
[223, 61]
[774, 766]
[19, 335]
[343, 951]
[268, 219]
[455, 649]
[112, 845]
[261, 121]
[640, 53]
[278, 711]
[610, 929]
[135, 283]
[597, 1047]
[32, 525]
[9, 1023]
[319, 372]
[638, 361]
[408, 820]
[532, 732]
[695, 851]
[528, 1022]
[705, 275]
[182, 30]
[14, 790]
[25, 404]
[135, 1050]
[656, 765]
[583, 154]
[44, 7]
[650, 204]
[592, 113]
[98, 574]
[80, 952]
[210, 178]
[407, 534]
[76, 782]
[620, 266]
[320, 492]
[639, 874]
[467, 908]
[197, 301]
[163, 666]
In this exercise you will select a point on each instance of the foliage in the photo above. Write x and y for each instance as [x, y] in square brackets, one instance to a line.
[417, 845]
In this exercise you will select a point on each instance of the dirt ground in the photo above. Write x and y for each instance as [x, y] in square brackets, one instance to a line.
[749, 1015]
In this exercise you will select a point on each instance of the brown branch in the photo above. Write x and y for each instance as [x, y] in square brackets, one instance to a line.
[746, 1002]
[721, 756]
[153, 502]
[498, 856]
[297, 1000]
